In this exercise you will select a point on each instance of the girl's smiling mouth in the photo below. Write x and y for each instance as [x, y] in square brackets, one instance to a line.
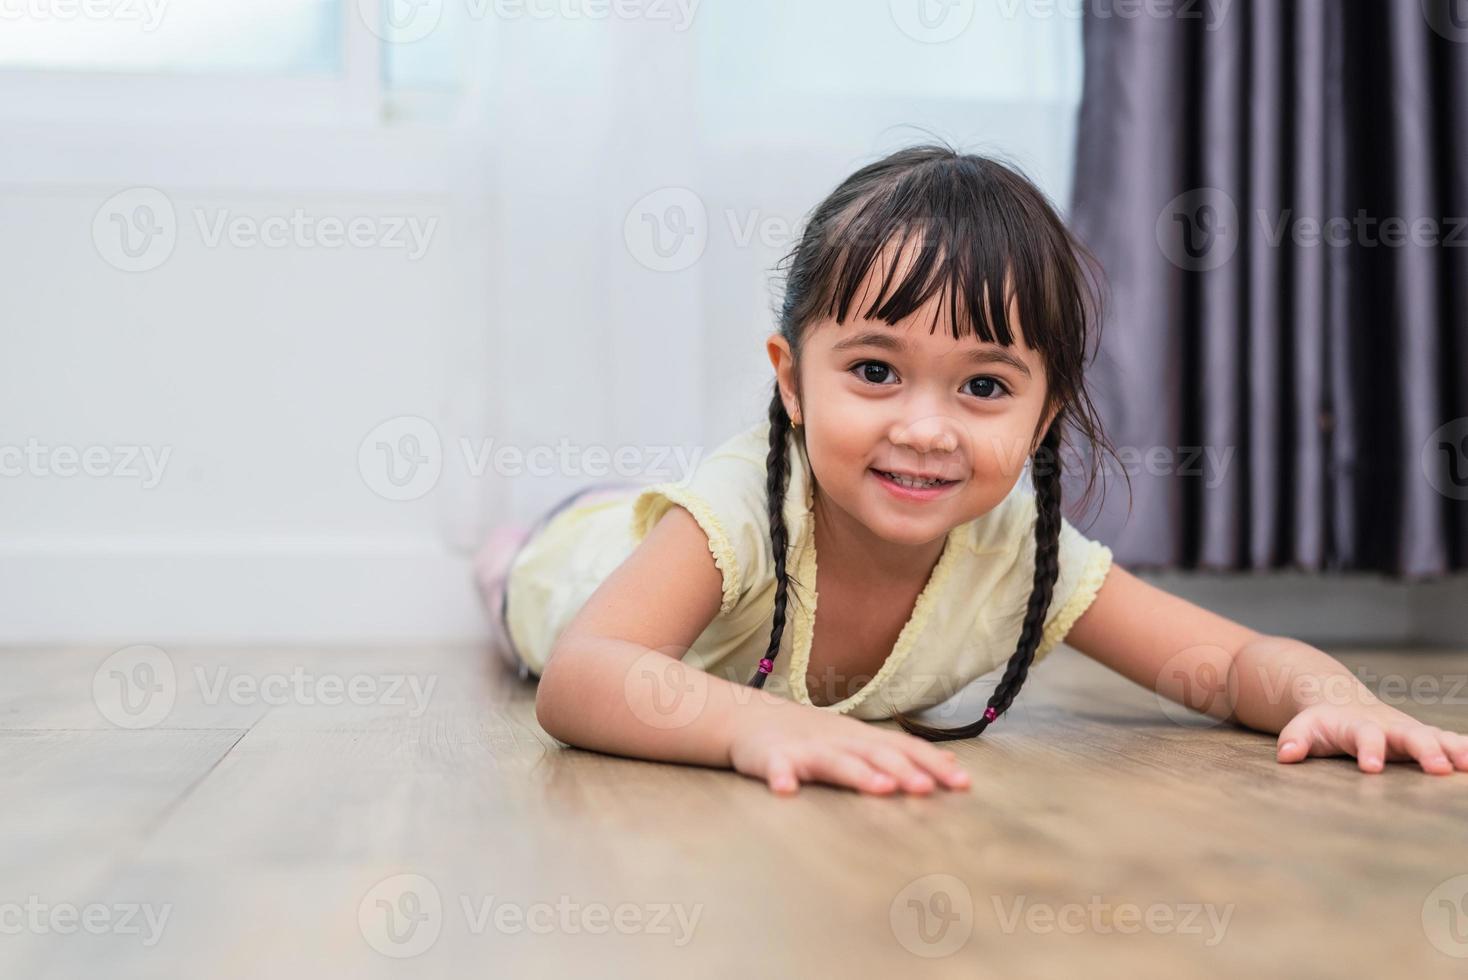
[909, 488]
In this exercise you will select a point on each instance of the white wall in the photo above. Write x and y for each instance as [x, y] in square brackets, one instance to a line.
[529, 319]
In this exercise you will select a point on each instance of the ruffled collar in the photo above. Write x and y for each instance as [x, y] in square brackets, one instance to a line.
[799, 507]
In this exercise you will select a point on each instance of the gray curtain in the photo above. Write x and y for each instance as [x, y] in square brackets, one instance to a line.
[1278, 192]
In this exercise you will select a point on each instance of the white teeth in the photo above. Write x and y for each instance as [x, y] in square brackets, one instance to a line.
[909, 482]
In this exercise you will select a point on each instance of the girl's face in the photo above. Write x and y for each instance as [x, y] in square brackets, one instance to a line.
[878, 399]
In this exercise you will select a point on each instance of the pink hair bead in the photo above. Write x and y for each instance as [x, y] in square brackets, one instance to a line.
[766, 665]
[990, 714]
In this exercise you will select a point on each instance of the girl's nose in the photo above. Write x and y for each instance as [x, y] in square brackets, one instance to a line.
[928, 434]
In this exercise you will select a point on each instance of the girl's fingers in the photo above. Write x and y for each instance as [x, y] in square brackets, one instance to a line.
[888, 759]
[1370, 746]
[781, 775]
[1295, 740]
[1456, 747]
[1420, 742]
[841, 767]
[942, 763]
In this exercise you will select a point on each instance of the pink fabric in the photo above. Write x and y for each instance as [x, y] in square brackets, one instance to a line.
[491, 565]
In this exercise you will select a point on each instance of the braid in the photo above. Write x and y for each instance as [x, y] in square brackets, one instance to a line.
[777, 480]
[1046, 475]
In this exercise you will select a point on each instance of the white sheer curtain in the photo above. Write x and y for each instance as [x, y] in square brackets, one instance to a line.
[718, 136]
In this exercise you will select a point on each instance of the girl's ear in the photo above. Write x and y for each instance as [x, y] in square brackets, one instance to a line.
[784, 363]
[1050, 415]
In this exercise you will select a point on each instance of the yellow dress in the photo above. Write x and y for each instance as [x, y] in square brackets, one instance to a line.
[965, 623]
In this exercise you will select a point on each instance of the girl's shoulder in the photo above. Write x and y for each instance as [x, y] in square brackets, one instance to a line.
[726, 493]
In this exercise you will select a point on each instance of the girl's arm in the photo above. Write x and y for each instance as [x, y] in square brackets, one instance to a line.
[1270, 683]
[615, 682]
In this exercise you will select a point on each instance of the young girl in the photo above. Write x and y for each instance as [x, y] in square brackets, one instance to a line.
[936, 321]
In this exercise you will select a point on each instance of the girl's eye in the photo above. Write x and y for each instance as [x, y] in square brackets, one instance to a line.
[870, 368]
[989, 388]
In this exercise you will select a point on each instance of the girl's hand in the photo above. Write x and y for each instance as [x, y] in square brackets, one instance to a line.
[794, 743]
[1374, 734]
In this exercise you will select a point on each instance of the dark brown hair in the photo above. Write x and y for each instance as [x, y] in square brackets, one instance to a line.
[975, 221]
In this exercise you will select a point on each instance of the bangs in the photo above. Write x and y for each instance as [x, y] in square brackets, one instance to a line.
[958, 235]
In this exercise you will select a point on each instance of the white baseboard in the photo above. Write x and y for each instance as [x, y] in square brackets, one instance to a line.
[347, 596]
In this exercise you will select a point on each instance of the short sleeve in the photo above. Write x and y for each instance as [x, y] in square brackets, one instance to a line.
[726, 496]
[1083, 566]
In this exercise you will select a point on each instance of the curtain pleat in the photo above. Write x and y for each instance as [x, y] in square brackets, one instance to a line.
[1288, 386]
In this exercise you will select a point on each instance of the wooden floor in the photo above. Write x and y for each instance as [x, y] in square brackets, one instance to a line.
[255, 829]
